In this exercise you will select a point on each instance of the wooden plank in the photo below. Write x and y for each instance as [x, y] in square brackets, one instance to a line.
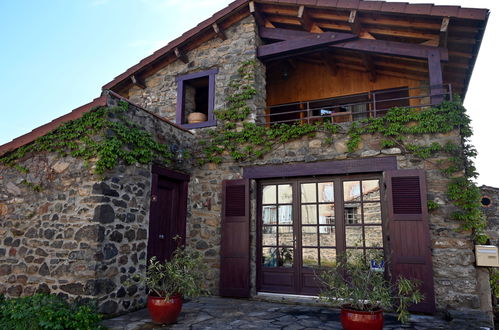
[321, 168]
[444, 28]
[260, 21]
[307, 23]
[218, 31]
[369, 64]
[435, 77]
[330, 63]
[301, 45]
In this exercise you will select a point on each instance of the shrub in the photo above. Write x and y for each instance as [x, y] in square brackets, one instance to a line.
[43, 311]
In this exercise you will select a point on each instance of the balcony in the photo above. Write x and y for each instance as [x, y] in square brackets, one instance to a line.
[355, 107]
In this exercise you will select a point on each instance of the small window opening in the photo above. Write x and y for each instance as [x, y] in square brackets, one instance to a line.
[486, 201]
[196, 100]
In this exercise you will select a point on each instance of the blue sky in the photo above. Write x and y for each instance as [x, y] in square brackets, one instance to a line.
[57, 54]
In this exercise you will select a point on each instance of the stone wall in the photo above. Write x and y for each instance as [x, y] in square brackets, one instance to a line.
[491, 211]
[83, 235]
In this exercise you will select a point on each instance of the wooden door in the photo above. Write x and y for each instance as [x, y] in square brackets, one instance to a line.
[167, 214]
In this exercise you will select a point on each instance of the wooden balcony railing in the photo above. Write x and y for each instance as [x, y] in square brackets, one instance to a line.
[355, 107]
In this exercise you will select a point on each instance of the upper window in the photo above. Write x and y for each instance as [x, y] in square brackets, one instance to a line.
[196, 99]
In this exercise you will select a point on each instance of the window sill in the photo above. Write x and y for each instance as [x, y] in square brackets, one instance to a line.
[208, 123]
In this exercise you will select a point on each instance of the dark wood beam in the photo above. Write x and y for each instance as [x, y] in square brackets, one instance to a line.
[260, 20]
[138, 82]
[354, 22]
[306, 21]
[444, 32]
[299, 46]
[330, 63]
[364, 45]
[218, 31]
[369, 64]
[435, 77]
[181, 55]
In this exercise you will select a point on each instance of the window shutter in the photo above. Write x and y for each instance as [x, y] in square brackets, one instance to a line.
[409, 234]
[235, 247]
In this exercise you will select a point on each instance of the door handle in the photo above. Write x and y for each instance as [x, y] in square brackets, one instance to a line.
[161, 236]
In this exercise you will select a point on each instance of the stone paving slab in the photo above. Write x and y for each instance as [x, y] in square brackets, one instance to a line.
[223, 313]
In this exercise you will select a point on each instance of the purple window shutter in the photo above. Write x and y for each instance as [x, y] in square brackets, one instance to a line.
[235, 247]
[409, 233]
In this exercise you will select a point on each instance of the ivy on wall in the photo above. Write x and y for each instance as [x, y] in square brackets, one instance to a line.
[103, 134]
[244, 140]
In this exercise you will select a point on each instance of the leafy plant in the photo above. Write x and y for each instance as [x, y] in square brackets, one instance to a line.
[184, 274]
[353, 283]
[43, 311]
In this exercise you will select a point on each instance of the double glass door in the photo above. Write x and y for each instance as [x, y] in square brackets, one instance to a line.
[304, 224]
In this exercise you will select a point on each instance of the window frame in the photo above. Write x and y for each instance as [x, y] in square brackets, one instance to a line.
[180, 111]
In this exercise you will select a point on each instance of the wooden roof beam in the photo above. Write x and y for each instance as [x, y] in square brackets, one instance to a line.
[138, 82]
[354, 22]
[369, 64]
[219, 32]
[444, 28]
[181, 55]
[258, 16]
[365, 45]
[307, 22]
[310, 43]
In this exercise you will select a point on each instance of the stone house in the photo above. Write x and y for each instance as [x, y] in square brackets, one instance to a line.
[277, 176]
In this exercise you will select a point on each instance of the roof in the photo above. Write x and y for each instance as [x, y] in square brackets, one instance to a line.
[75, 114]
[204, 30]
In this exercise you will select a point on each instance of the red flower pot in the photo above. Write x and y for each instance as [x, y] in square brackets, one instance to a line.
[164, 311]
[361, 320]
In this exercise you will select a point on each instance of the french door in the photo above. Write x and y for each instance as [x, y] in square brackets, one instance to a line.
[304, 224]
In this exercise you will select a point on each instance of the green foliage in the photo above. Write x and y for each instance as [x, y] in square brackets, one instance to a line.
[184, 274]
[43, 311]
[494, 283]
[352, 282]
[432, 205]
[103, 134]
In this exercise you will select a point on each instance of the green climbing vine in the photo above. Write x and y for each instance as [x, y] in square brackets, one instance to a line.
[244, 140]
[103, 134]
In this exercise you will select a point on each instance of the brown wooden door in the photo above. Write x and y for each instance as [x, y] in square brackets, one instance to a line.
[409, 233]
[167, 214]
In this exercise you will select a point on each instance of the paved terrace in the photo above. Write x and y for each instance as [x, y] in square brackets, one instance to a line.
[222, 313]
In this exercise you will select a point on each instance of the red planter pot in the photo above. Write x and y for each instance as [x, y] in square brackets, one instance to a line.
[361, 320]
[164, 311]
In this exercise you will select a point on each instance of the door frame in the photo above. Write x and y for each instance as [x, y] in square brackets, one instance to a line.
[298, 270]
[183, 182]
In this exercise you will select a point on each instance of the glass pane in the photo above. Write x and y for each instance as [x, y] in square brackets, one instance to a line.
[328, 257]
[353, 214]
[309, 236]
[353, 236]
[269, 257]
[372, 212]
[285, 193]
[308, 193]
[326, 191]
[286, 257]
[370, 190]
[269, 215]
[327, 236]
[269, 193]
[326, 214]
[351, 191]
[355, 255]
[310, 257]
[285, 236]
[309, 214]
[285, 215]
[374, 236]
[269, 234]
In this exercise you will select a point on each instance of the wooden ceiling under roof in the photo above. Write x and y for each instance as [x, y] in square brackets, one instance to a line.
[459, 30]
[458, 35]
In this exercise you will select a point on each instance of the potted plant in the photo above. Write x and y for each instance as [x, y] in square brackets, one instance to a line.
[169, 281]
[358, 286]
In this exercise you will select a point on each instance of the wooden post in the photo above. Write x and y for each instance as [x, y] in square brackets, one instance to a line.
[435, 77]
